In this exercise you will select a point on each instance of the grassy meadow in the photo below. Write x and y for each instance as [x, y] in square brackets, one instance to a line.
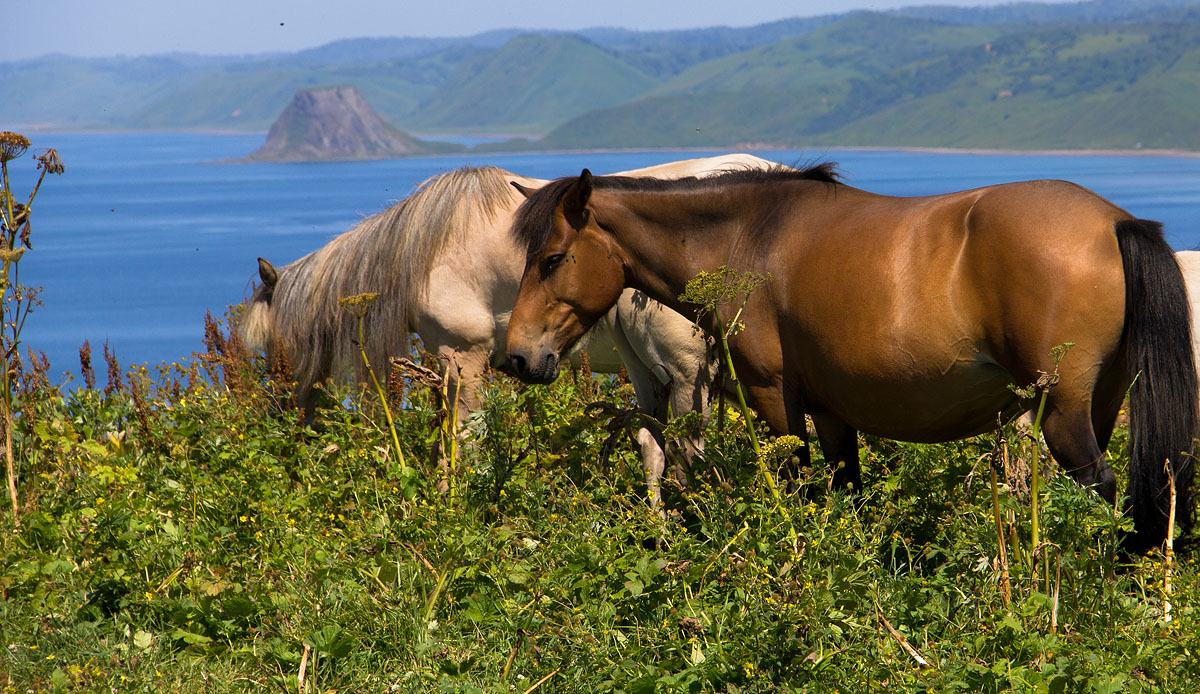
[180, 531]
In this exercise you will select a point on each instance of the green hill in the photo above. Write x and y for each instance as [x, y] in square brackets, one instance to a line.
[529, 85]
[74, 92]
[664, 54]
[1073, 87]
[885, 80]
[251, 96]
[861, 46]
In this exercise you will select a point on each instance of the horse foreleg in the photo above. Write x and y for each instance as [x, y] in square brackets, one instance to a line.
[689, 391]
[464, 370]
[839, 443]
[652, 385]
[652, 398]
[797, 425]
[654, 461]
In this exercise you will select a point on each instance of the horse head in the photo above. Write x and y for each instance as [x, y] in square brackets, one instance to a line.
[573, 276]
[257, 324]
[269, 277]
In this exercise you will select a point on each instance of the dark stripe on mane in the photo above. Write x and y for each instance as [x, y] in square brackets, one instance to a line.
[533, 222]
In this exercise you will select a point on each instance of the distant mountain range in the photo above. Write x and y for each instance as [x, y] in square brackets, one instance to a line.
[1099, 74]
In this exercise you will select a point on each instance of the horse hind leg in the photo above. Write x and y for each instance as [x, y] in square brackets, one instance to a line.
[463, 375]
[1107, 402]
[1072, 439]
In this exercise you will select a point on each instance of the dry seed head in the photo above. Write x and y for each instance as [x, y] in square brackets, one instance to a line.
[51, 161]
[12, 145]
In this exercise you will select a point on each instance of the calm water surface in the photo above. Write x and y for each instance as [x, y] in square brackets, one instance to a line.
[143, 234]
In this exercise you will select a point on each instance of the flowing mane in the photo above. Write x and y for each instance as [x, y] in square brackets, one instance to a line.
[391, 253]
[531, 227]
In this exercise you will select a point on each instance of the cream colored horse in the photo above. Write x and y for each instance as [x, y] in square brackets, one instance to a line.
[1189, 263]
[446, 268]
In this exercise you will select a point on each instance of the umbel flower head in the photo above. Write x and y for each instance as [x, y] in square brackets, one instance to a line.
[12, 145]
[359, 304]
[711, 289]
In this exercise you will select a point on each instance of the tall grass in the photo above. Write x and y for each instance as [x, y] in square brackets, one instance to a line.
[181, 532]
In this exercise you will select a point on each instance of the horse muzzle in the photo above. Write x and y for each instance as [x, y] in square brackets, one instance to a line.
[541, 369]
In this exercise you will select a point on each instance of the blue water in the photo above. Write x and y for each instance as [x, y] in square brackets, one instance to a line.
[143, 234]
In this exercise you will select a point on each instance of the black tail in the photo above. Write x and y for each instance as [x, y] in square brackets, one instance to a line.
[1163, 398]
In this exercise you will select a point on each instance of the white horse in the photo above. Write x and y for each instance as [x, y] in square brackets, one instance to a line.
[1189, 263]
[445, 267]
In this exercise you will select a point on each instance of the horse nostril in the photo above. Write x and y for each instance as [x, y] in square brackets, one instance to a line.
[517, 364]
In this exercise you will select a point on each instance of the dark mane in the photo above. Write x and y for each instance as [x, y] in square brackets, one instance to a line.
[531, 226]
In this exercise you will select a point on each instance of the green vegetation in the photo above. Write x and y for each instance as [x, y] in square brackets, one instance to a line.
[180, 532]
[886, 81]
[528, 86]
[17, 301]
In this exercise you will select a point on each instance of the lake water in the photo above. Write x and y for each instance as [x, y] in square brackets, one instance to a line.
[143, 233]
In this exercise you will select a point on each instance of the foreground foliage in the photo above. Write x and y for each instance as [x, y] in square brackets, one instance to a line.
[181, 532]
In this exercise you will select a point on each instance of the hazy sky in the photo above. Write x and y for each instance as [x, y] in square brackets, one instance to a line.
[134, 27]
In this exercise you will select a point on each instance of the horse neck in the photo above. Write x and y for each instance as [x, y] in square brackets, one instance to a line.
[668, 239]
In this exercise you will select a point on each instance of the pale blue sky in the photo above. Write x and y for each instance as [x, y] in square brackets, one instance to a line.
[134, 27]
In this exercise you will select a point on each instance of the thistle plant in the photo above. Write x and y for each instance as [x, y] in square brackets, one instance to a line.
[17, 301]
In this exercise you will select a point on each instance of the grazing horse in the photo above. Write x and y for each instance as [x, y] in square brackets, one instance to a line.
[447, 269]
[907, 318]
[1189, 264]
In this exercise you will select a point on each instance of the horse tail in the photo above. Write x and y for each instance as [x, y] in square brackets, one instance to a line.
[1164, 393]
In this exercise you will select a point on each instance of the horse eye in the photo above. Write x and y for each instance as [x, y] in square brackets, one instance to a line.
[553, 261]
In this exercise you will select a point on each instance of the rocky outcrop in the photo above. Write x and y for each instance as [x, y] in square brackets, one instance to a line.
[335, 123]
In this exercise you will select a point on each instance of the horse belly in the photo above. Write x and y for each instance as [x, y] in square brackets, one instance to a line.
[924, 406]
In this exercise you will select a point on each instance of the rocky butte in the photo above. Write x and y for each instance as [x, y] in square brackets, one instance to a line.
[337, 123]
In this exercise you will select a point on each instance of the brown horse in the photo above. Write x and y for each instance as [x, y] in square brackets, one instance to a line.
[908, 318]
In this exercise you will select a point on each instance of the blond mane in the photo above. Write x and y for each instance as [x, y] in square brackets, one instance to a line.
[391, 253]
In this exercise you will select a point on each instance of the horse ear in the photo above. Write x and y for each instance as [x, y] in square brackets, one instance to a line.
[524, 190]
[575, 200]
[266, 271]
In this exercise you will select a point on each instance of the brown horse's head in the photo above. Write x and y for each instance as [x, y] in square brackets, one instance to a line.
[573, 276]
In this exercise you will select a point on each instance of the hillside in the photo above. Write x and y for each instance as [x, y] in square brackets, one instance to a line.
[890, 81]
[251, 96]
[663, 54]
[529, 85]
[76, 92]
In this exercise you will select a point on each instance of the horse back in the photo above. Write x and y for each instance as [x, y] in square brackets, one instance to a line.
[923, 300]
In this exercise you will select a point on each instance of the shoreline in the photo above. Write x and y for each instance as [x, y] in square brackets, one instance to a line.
[975, 151]
[984, 151]
[740, 147]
